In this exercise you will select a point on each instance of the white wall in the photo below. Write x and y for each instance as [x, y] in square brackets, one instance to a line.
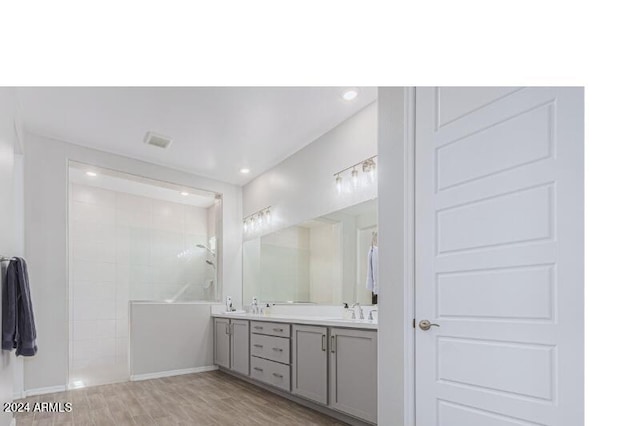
[8, 242]
[302, 187]
[395, 219]
[46, 241]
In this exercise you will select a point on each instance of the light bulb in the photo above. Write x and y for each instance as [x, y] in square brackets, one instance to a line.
[354, 177]
[268, 216]
[339, 184]
[259, 219]
[371, 172]
[245, 225]
[252, 223]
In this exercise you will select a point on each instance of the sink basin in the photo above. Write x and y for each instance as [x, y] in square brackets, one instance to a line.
[351, 320]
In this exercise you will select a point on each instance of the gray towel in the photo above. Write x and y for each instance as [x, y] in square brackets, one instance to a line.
[18, 325]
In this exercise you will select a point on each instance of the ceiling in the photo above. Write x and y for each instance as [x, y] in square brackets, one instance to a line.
[137, 185]
[215, 131]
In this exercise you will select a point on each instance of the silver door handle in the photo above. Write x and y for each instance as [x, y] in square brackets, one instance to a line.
[258, 369]
[279, 330]
[426, 325]
[257, 327]
[277, 349]
[258, 346]
[226, 329]
[324, 343]
[278, 375]
[333, 344]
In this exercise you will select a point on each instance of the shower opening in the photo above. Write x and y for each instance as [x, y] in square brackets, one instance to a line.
[132, 239]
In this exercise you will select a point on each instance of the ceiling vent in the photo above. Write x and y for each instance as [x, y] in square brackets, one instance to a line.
[157, 140]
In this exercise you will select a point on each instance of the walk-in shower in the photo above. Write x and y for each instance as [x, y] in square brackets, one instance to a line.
[132, 239]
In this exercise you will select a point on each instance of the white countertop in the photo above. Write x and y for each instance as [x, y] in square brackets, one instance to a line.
[298, 319]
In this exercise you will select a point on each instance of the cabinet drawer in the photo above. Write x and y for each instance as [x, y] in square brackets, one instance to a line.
[270, 372]
[270, 347]
[271, 328]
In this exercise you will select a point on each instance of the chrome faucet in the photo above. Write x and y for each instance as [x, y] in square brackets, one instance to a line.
[371, 314]
[360, 312]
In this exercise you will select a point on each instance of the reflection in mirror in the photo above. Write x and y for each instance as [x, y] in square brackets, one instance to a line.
[325, 260]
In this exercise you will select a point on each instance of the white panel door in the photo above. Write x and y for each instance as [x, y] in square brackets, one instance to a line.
[499, 256]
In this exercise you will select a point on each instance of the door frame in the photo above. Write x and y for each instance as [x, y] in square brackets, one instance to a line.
[396, 226]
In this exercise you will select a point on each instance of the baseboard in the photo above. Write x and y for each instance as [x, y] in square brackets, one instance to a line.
[43, 391]
[147, 376]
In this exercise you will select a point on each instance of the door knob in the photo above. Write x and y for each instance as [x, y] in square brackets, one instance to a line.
[426, 325]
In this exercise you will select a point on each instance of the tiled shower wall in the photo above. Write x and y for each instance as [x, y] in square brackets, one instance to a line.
[125, 247]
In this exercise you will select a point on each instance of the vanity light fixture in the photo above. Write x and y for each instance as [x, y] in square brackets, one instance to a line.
[368, 170]
[339, 184]
[257, 221]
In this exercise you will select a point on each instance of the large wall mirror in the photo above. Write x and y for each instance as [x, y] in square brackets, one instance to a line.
[325, 260]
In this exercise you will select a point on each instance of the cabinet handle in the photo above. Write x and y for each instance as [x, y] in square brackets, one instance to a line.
[324, 343]
[258, 369]
[226, 329]
[277, 349]
[278, 375]
[258, 346]
[279, 330]
[257, 327]
[333, 344]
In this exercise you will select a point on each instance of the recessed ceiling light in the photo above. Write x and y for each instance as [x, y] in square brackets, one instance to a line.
[184, 193]
[349, 94]
[244, 171]
[92, 174]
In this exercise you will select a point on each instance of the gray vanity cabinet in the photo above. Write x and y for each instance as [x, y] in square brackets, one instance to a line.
[353, 371]
[231, 344]
[310, 363]
[239, 346]
[221, 342]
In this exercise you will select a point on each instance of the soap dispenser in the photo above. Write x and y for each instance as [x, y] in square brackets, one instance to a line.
[229, 305]
[345, 311]
[254, 305]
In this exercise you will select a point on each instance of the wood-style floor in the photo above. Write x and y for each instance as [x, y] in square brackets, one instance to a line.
[212, 398]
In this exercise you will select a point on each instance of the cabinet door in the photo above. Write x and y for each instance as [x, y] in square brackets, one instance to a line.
[353, 380]
[240, 346]
[309, 368]
[221, 332]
